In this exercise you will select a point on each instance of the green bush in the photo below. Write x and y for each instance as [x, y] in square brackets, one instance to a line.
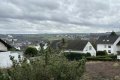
[87, 54]
[99, 59]
[76, 56]
[31, 52]
[101, 53]
[113, 56]
[58, 68]
[103, 58]
[45, 67]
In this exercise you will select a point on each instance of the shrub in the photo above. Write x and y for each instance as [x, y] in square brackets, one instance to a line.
[99, 59]
[87, 54]
[103, 58]
[113, 56]
[76, 56]
[45, 67]
[58, 68]
[101, 53]
[31, 52]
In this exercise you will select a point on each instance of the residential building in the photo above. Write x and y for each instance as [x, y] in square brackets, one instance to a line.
[109, 43]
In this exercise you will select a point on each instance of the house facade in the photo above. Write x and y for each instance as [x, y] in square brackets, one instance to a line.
[109, 43]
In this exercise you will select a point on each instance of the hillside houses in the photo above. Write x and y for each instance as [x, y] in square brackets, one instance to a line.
[109, 43]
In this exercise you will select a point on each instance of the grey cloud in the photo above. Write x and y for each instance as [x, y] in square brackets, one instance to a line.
[25, 16]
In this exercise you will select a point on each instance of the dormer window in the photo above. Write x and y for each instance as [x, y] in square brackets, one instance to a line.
[103, 40]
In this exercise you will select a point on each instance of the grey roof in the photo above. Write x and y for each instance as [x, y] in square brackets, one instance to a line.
[70, 44]
[110, 39]
[76, 44]
[6, 44]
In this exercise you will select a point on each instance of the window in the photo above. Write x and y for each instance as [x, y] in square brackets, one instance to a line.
[109, 51]
[105, 46]
[109, 46]
[90, 47]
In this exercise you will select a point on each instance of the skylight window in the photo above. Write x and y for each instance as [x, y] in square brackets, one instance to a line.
[108, 40]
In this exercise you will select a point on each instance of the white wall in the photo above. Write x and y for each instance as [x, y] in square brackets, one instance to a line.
[92, 51]
[3, 47]
[5, 61]
[103, 47]
[73, 51]
[116, 48]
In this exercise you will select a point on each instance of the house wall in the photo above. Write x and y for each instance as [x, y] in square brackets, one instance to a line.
[74, 51]
[115, 47]
[105, 47]
[87, 49]
[3, 47]
[118, 48]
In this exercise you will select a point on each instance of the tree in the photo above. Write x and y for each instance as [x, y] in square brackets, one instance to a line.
[63, 43]
[58, 68]
[48, 66]
[113, 34]
[31, 52]
[42, 48]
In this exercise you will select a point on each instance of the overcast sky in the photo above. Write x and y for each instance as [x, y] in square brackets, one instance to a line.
[59, 16]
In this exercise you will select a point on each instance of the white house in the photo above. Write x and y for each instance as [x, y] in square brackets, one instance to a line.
[4, 46]
[77, 46]
[80, 46]
[109, 43]
[5, 61]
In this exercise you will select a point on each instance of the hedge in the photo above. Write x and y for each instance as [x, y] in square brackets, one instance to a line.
[76, 56]
[101, 53]
[99, 59]
[103, 58]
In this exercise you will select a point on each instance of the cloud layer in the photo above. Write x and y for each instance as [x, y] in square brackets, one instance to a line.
[59, 16]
